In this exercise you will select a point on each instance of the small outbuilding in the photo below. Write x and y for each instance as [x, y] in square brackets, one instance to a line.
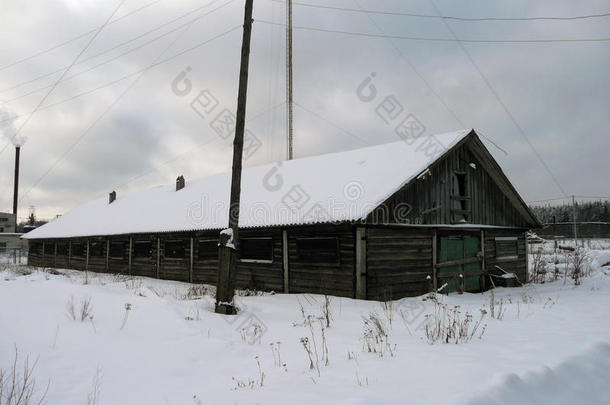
[386, 221]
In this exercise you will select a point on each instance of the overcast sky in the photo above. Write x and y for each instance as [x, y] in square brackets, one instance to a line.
[137, 132]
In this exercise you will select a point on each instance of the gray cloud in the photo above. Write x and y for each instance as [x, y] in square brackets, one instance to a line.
[559, 93]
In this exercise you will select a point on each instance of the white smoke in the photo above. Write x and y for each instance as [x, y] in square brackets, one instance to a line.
[7, 128]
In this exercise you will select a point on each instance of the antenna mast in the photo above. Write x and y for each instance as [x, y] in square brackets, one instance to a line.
[289, 127]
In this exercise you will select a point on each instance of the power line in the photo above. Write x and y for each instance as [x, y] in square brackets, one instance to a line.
[31, 114]
[94, 66]
[115, 47]
[588, 197]
[592, 197]
[76, 37]
[172, 159]
[155, 168]
[198, 147]
[341, 32]
[500, 101]
[315, 114]
[549, 199]
[427, 84]
[207, 142]
[188, 23]
[432, 39]
[446, 17]
[100, 117]
[78, 95]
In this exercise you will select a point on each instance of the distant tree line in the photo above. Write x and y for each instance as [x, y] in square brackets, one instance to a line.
[594, 211]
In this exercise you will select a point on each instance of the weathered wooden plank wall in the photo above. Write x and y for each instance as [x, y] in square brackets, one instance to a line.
[61, 257]
[517, 266]
[35, 255]
[262, 276]
[334, 278]
[398, 259]
[118, 263]
[428, 200]
[97, 254]
[205, 266]
[144, 266]
[175, 268]
[78, 256]
[48, 258]
[398, 262]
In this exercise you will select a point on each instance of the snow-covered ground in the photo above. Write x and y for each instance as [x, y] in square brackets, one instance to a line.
[149, 341]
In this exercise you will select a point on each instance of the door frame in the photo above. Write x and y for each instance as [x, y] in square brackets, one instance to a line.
[479, 257]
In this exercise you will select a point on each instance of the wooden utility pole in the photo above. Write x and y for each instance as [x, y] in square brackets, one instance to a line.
[574, 221]
[16, 185]
[289, 126]
[228, 245]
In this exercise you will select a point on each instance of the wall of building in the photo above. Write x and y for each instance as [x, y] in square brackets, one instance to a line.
[10, 241]
[517, 265]
[400, 261]
[7, 222]
[434, 197]
[334, 277]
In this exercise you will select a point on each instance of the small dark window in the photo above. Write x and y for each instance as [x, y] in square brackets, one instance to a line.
[62, 249]
[207, 249]
[507, 248]
[318, 250]
[256, 249]
[49, 248]
[117, 250]
[461, 202]
[96, 249]
[461, 183]
[78, 250]
[175, 249]
[142, 248]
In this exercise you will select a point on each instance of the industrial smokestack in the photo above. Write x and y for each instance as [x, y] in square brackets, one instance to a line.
[16, 189]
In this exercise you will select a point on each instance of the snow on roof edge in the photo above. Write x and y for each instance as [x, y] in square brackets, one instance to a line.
[380, 170]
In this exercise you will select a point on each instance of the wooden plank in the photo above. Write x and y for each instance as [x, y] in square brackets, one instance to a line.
[130, 250]
[434, 256]
[191, 261]
[483, 265]
[285, 261]
[158, 256]
[458, 262]
[361, 263]
[527, 263]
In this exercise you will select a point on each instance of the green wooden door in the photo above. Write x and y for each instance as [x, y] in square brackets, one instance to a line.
[472, 271]
[451, 249]
[455, 248]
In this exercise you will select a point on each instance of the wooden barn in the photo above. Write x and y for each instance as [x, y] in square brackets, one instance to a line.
[381, 222]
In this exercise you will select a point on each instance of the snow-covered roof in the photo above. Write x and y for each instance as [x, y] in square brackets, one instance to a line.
[344, 186]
